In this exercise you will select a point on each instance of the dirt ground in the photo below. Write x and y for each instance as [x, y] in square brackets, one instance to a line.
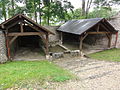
[92, 74]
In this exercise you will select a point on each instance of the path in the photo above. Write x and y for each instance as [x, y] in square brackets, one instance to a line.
[93, 74]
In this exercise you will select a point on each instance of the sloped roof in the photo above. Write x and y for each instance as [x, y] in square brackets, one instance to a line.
[23, 17]
[80, 26]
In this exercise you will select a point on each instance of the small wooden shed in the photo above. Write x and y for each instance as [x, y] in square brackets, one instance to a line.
[20, 26]
[83, 28]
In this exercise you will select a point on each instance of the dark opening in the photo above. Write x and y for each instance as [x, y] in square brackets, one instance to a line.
[29, 41]
[28, 47]
[71, 41]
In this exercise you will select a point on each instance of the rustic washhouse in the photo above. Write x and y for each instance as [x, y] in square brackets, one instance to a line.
[20, 31]
[88, 31]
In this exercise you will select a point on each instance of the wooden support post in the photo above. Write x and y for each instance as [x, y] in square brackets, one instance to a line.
[116, 39]
[61, 37]
[21, 27]
[12, 40]
[47, 40]
[81, 42]
[98, 28]
[8, 48]
[109, 40]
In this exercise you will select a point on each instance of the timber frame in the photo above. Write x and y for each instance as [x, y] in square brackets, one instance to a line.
[102, 27]
[22, 21]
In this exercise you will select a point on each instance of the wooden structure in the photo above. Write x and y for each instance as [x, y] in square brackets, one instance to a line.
[20, 25]
[86, 27]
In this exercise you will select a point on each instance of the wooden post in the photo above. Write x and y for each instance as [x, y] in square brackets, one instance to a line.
[8, 48]
[81, 42]
[61, 37]
[47, 40]
[98, 28]
[116, 39]
[109, 40]
[21, 27]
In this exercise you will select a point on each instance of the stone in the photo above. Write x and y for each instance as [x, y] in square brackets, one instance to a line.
[3, 56]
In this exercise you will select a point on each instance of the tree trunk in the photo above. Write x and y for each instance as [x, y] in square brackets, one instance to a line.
[48, 18]
[88, 7]
[83, 7]
[40, 12]
[13, 9]
[35, 13]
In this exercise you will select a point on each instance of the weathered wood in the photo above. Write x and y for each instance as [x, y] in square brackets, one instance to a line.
[81, 42]
[61, 37]
[116, 39]
[109, 40]
[35, 28]
[24, 34]
[21, 27]
[98, 32]
[12, 40]
[12, 24]
[47, 49]
[8, 48]
[105, 28]
[85, 36]
[98, 27]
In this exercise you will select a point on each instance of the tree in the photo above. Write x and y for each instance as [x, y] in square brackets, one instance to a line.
[86, 5]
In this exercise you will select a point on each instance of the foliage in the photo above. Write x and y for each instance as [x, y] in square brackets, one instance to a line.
[22, 71]
[102, 12]
[110, 55]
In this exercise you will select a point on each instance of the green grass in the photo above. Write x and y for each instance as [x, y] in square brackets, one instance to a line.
[13, 73]
[110, 55]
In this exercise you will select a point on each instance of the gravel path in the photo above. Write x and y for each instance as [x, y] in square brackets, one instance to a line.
[93, 74]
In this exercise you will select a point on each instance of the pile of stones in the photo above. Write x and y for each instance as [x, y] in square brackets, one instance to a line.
[3, 57]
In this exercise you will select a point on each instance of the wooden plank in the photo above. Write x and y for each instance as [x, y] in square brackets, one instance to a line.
[98, 32]
[12, 40]
[24, 34]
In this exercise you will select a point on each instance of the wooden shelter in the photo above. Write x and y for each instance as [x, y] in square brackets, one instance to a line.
[83, 28]
[19, 26]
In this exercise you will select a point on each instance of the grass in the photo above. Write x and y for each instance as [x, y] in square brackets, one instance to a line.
[13, 73]
[110, 55]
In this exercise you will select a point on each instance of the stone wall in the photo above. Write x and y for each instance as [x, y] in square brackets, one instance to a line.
[3, 57]
[53, 38]
[115, 21]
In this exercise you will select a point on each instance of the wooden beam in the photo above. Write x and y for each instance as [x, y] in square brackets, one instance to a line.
[13, 24]
[85, 36]
[21, 27]
[98, 32]
[24, 34]
[33, 27]
[12, 40]
[105, 27]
